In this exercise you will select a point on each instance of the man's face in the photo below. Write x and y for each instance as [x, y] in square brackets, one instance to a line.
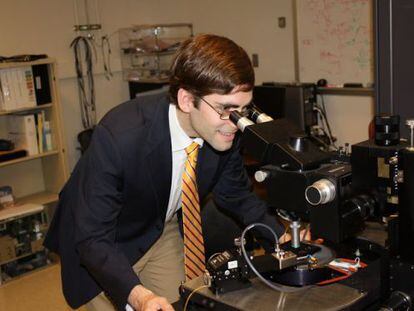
[205, 121]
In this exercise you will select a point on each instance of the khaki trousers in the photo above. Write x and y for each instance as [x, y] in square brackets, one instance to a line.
[161, 269]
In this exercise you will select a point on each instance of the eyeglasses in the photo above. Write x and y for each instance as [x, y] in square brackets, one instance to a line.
[224, 113]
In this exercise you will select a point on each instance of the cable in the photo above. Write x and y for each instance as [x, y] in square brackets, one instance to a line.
[106, 56]
[324, 111]
[191, 294]
[322, 117]
[325, 122]
[103, 43]
[281, 288]
[75, 11]
[328, 126]
[320, 141]
[86, 90]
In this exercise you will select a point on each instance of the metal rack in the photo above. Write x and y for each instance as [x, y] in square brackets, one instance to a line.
[148, 50]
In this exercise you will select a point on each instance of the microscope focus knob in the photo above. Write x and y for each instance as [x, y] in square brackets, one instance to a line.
[320, 192]
[298, 142]
[260, 176]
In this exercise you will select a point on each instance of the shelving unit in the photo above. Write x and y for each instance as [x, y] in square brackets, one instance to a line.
[352, 91]
[147, 50]
[9, 112]
[37, 179]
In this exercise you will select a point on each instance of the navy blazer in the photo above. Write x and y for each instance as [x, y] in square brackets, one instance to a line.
[113, 207]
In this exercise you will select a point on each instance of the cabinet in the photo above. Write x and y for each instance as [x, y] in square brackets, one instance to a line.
[147, 50]
[22, 231]
[37, 177]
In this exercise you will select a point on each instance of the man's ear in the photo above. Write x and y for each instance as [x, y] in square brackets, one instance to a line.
[185, 100]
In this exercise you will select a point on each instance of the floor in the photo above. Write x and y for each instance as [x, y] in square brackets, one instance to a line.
[40, 290]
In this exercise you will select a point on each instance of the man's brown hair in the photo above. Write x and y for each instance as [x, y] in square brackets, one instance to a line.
[207, 64]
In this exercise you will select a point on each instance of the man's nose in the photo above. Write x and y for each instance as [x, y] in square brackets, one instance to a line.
[233, 126]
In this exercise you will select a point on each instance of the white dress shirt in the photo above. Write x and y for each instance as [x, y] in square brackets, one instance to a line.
[179, 141]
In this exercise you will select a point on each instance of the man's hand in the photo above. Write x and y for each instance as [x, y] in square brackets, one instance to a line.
[142, 299]
[305, 235]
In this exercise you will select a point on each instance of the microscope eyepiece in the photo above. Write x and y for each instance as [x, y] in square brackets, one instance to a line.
[240, 120]
[258, 116]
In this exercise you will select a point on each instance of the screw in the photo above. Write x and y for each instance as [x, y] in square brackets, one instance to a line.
[410, 123]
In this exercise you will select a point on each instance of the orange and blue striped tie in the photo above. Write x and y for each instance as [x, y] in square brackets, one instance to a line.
[194, 258]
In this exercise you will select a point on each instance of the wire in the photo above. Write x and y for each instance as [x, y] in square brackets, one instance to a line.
[103, 42]
[191, 294]
[106, 56]
[324, 111]
[325, 123]
[86, 89]
[281, 288]
[320, 141]
[75, 11]
[328, 126]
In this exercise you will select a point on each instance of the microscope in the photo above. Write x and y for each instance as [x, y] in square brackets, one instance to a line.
[338, 199]
[303, 180]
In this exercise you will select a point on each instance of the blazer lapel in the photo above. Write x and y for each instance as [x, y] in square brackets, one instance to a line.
[159, 157]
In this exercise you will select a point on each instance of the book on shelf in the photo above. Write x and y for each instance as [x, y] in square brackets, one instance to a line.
[39, 118]
[25, 85]
[30, 132]
[6, 90]
[23, 132]
[47, 136]
[42, 84]
[17, 88]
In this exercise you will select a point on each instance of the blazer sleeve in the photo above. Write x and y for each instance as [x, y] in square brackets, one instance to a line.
[98, 204]
[234, 192]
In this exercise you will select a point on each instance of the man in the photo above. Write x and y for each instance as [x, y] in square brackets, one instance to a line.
[117, 225]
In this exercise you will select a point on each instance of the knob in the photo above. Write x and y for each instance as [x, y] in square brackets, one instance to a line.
[320, 192]
[387, 130]
[298, 142]
[261, 176]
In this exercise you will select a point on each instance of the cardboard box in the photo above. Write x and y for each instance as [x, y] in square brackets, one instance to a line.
[37, 245]
[7, 249]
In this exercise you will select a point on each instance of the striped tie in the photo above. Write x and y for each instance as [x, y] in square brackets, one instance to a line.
[194, 260]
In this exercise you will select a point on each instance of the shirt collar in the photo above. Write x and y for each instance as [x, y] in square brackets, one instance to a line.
[179, 139]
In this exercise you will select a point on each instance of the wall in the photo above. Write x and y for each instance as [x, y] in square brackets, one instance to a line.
[45, 26]
[349, 117]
